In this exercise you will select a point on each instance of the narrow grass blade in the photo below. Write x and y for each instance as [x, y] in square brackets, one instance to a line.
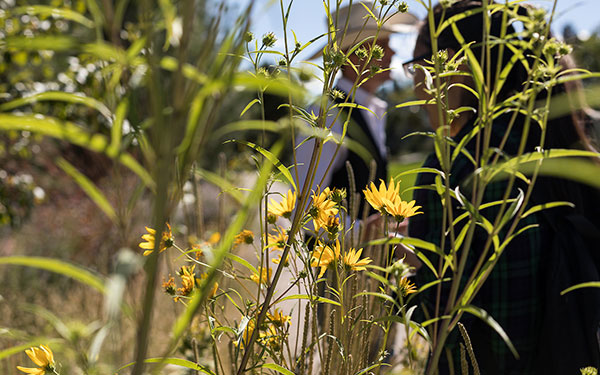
[89, 188]
[58, 266]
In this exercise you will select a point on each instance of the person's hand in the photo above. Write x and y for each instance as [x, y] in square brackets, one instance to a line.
[373, 226]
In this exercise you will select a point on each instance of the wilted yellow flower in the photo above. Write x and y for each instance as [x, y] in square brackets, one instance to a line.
[188, 280]
[169, 286]
[378, 198]
[246, 236]
[324, 255]
[322, 208]
[285, 207]
[215, 287]
[265, 276]
[278, 318]
[197, 248]
[352, 260]
[400, 209]
[149, 238]
[42, 357]
[406, 287]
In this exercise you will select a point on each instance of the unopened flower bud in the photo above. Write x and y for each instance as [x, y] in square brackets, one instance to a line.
[248, 37]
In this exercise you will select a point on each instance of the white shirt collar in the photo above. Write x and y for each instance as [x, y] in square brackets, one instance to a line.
[363, 97]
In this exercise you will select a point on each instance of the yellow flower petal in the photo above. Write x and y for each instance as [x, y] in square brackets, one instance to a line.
[29, 370]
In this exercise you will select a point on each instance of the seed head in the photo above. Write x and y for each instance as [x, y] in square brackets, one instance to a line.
[378, 52]
[402, 7]
[269, 39]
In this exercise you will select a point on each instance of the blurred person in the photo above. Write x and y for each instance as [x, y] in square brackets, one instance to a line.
[552, 334]
[366, 127]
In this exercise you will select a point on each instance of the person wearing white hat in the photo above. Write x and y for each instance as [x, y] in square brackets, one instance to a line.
[366, 127]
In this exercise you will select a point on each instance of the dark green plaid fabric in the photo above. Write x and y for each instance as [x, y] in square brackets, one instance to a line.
[511, 294]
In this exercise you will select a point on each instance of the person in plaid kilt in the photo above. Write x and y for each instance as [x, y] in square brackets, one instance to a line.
[552, 334]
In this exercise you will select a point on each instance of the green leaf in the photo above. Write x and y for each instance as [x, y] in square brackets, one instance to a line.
[243, 262]
[57, 266]
[246, 125]
[59, 97]
[54, 12]
[72, 133]
[273, 366]
[90, 189]
[590, 284]
[413, 103]
[483, 315]
[116, 130]
[173, 361]
[411, 241]
[512, 209]
[353, 105]
[249, 106]
[273, 159]
[544, 206]
[41, 42]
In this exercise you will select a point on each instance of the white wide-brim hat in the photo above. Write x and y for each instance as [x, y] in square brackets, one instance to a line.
[361, 25]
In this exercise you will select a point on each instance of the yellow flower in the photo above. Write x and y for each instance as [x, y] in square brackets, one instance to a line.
[285, 207]
[379, 198]
[351, 259]
[322, 208]
[265, 276]
[246, 236]
[169, 286]
[406, 287]
[214, 289]
[324, 255]
[278, 318]
[214, 238]
[400, 209]
[278, 240]
[270, 337]
[188, 280]
[149, 238]
[42, 357]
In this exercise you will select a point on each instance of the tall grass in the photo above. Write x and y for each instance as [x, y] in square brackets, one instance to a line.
[168, 84]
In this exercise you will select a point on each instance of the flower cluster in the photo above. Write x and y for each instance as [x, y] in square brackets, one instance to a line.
[387, 201]
[271, 333]
[328, 255]
[322, 209]
[189, 282]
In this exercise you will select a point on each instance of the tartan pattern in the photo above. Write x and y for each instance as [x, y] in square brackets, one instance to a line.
[513, 291]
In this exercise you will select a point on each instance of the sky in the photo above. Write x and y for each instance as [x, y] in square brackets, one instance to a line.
[307, 20]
